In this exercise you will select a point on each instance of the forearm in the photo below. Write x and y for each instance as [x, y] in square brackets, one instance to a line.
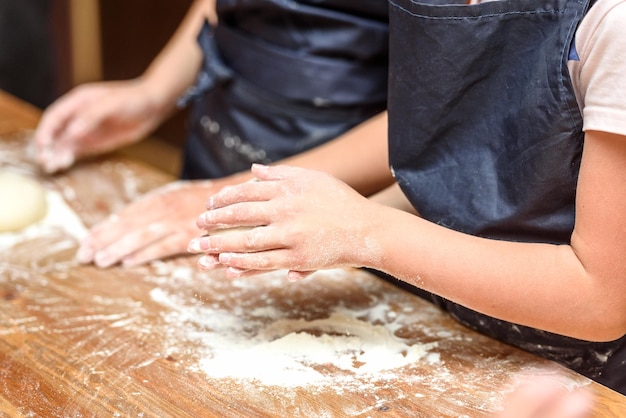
[177, 65]
[574, 290]
[538, 285]
[570, 289]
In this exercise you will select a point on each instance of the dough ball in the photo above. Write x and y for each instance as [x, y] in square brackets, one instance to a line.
[22, 201]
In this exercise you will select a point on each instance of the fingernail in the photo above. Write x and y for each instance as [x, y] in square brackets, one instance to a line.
[207, 262]
[204, 219]
[194, 246]
[102, 259]
[49, 167]
[85, 254]
[295, 276]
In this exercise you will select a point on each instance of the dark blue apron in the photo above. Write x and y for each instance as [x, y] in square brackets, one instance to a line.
[486, 138]
[279, 78]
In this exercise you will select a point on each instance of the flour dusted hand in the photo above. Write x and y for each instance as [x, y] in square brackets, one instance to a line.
[309, 221]
[157, 225]
[93, 119]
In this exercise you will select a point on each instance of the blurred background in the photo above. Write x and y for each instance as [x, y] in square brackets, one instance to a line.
[49, 46]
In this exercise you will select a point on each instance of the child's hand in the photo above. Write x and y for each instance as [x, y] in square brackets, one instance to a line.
[304, 221]
[157, 225]
[93, 119]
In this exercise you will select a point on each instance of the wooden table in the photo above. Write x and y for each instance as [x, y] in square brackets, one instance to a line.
[166, 340]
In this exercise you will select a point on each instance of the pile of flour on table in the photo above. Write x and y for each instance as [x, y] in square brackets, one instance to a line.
[266, 345]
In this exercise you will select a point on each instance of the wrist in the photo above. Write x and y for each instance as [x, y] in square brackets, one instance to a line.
[370, 233]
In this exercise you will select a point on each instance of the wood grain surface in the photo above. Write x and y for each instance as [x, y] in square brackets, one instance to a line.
[166, 340]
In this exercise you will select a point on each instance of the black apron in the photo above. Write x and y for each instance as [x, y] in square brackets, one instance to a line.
[279, 78]
[486, 138]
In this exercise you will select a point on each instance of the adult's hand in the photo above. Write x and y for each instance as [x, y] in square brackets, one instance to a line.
[304, 221]
[96, 118]
[155, 226]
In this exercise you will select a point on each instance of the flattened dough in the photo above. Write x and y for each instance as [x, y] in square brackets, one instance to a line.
[22, 201]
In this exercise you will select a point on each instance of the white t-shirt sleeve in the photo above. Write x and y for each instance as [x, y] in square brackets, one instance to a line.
[599, 76]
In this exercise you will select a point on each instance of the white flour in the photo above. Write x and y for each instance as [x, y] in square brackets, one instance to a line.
[264, 345]
[286, 352]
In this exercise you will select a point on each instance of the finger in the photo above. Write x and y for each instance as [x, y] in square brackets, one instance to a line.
[264, 187]
[100, 236]
[168, 246]
[273, 259]
[294, 275]
[575, 404]
[546, 397]
[244, 192]
[530, 396]
[54, 120]
[55, 161]
[57, 118]
[129, 244]
[195, 246]
[77, 133]
[234, 273]
[44, 142]
[117, 225]
[44, 137]
[246, 240]
[62, 153]
[209, 262]
[244, 214]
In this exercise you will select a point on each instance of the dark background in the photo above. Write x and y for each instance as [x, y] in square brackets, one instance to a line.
[35, 52]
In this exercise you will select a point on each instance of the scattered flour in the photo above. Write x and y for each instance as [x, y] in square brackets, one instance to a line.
[287, 351]
[265, 346]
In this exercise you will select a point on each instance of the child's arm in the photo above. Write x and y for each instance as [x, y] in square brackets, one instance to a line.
[312, 222]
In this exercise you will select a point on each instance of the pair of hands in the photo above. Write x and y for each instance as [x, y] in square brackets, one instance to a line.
[296, 219]
[100, 117]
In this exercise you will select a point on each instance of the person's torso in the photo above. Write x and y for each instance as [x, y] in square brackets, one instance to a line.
[282, 77]
[485, 132]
